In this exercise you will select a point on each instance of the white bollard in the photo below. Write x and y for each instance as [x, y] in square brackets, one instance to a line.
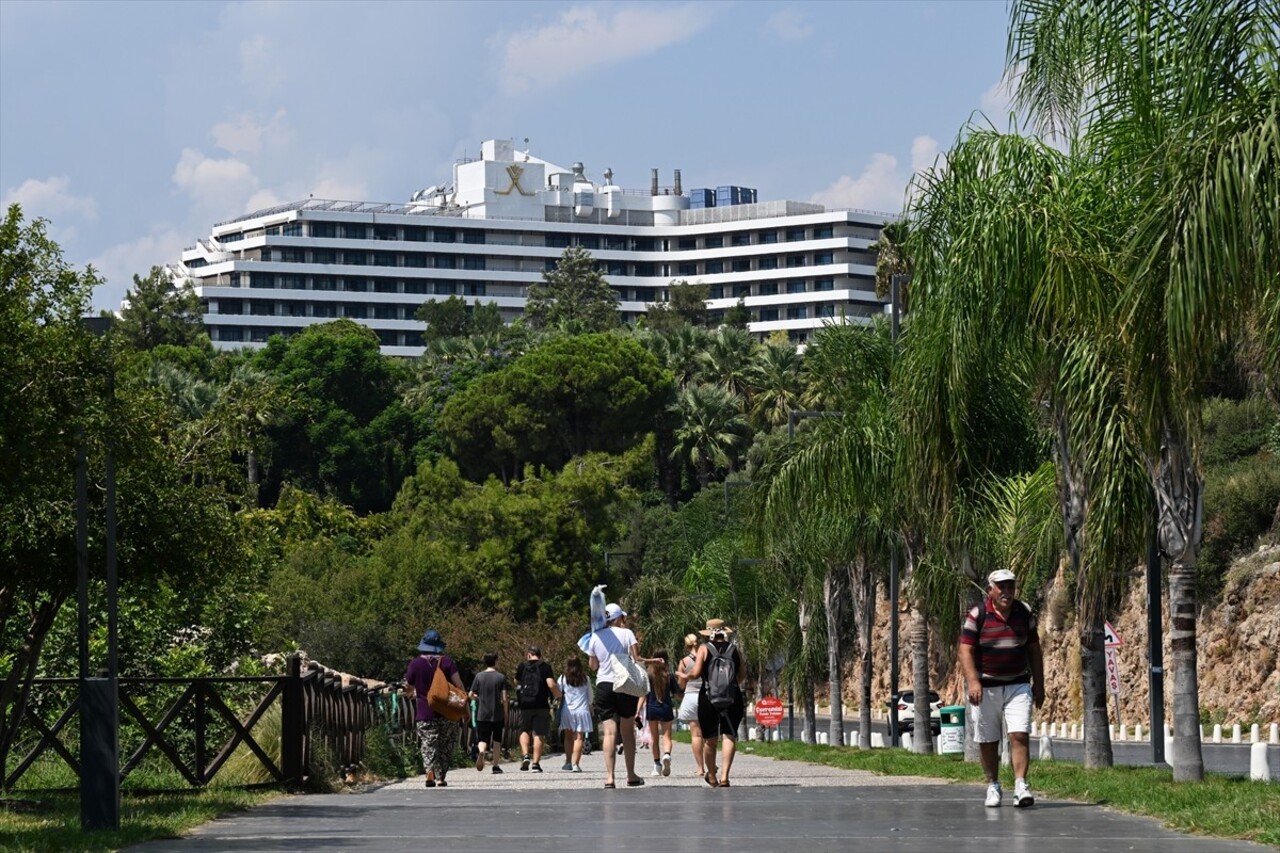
[1137, 731]
[1217, 733]
[908, 742]
[751, 733]
[1275, 733]
[1046, 748]
[1235, 733]
[1053, 730]
[1073, 731]
[1255, 733]
[1111, 732]
[1259, 769]
[877, 740]
[1123, 730]
[1167, 733]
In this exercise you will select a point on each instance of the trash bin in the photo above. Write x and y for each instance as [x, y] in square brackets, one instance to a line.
[951, 740]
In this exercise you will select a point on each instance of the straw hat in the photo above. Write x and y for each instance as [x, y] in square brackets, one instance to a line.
[715, 626]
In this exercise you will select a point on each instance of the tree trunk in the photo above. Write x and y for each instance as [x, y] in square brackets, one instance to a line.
[1179, 494]
[1093, 669]
[866, 633]
[805, 614]
[922, 735]
[16, 687]
[810, 713]
[833, 598]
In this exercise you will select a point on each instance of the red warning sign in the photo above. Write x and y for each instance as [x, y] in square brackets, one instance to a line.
[769, 711]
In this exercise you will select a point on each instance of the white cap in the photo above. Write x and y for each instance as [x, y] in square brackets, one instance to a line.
[1001, 575]
[613, 611]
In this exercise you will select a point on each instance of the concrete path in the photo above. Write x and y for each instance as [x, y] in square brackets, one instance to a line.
[772, 807]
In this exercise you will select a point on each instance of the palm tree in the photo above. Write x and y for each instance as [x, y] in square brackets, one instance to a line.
[711, 430]
[1176, 107]
[776, 384]
[727, 359]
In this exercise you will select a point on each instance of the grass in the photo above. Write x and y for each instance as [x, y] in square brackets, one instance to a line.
[1222, 806]
[51, 821]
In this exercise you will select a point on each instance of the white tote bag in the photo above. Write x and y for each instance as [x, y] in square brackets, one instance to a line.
[628, 677]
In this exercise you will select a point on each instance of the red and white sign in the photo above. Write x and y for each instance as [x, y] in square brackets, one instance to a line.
[769, 711]
[1110, 638]
[1113, 672]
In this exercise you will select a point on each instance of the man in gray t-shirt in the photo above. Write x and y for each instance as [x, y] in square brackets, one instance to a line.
[489, 689]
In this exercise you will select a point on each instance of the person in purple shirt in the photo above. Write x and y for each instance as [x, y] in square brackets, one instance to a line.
[436, 734]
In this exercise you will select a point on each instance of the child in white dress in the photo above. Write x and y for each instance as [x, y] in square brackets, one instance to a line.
[575, 713]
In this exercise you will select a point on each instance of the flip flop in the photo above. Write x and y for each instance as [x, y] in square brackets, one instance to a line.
[710, 779]
[724, 783]
[635, 783]
[610, 785]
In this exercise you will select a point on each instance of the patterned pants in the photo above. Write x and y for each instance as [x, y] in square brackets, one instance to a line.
[437, 738]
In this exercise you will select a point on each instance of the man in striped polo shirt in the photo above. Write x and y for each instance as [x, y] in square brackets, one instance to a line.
[1004, 671]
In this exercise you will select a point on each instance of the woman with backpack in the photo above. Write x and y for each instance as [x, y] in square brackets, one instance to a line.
[438, 735]
[688, 713]
[660, 712]
[718, 663]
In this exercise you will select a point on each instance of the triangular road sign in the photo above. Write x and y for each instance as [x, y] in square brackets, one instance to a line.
[1110, 638]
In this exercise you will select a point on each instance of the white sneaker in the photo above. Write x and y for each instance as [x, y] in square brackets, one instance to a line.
[1022, 797]
[994, 795]
[666, 764]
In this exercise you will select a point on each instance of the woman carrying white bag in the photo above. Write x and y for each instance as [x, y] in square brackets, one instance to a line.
[613, 652]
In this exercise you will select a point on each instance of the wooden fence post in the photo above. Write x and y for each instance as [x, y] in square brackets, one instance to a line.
[293, 723]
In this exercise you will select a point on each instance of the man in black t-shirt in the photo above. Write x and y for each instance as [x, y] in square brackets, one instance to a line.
[489, 689]
[535, 685]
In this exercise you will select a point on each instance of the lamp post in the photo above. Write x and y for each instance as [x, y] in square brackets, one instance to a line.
[99, 699]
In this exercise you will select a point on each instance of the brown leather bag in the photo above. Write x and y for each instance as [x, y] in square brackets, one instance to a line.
[445, 698]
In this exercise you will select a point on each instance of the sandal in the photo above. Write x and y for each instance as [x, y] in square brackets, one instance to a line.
[431, 783]
[724, 783]
[635, 783]
[610, 785]
[710, 779]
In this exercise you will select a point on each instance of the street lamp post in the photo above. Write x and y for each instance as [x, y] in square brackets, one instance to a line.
[99, 697]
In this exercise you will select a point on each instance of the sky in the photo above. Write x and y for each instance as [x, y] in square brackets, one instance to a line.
[134, 127]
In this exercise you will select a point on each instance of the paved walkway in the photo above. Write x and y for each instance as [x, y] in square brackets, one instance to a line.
[772, 807]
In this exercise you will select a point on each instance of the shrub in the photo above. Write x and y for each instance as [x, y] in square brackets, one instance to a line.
[1234, 429]
[1240, 502]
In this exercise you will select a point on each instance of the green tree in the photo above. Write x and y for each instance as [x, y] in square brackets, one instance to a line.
[737, 316]
[711, 430]
[574, 296]
[159, 310]
[445, 318]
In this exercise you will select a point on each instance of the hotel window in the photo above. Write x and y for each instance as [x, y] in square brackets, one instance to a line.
[415, 259]
[295, 309]
[444, 288]
[324, 229]
[768, 315]
[446, 262]
[716, 242]
[741, 264]
[770, 263]
[230, 306]
[825, 284]
[292, 282]
[687, 269]
[384, 259]
[823, 232]
[473, 235]
[615, 244]
[796, 313]
[716, 293]
[293, 256]
[828, 310]
[644, 269]
[616, 268]
[262, 309]
[768, 236]
[324, 309]
[794, 234]
[413, 339]
[356, 285]
[259, 336]
[557, 241]
[589, 241]
[687, 243]
[823, 258]
[550, 264]
[262, 280]
[415, 286]
[355, 312]
[354, 258]
[444, 235]
[322, 256]
[473, 288]
[385, 285]
[473, 263]
[643, 244]
[385, 232]
[741, 239]
[794, 261]
[353, 232]
[414, 234]
[741, 290]
[388, 338]
[714, 267]
[768, 288]
[322, 282]
[292, 229]
[796, 286]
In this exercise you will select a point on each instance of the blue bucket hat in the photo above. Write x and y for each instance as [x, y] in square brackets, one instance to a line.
[432, 643]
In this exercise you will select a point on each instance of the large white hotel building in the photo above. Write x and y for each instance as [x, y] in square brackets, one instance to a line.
[505, 220]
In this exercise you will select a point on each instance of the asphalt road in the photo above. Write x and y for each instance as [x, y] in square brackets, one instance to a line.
[772, 807]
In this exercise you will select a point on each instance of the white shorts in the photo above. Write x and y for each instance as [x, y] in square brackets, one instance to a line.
[1011, 701]
[688, 712]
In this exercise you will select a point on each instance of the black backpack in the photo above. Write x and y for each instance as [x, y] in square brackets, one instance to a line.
[721, 676]
[532, 687]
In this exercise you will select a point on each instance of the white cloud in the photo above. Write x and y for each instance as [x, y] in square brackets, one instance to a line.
[882, 184]
[583, 38]
[120, 263]
[247, 134]
[789, 25]
[51, 199]
[215, 185]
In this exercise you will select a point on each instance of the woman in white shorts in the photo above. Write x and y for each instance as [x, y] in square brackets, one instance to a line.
[688, 713]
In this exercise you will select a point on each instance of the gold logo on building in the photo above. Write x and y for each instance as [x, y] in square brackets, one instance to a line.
[514, 171]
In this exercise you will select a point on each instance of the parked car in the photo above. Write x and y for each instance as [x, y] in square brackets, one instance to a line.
[907, 712]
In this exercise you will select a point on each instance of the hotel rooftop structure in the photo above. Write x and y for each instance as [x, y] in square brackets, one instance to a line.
[504, 220]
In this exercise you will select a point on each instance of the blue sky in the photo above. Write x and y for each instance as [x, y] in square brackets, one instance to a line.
[134, 126]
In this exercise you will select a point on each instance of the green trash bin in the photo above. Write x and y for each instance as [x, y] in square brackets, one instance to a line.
[951, 739]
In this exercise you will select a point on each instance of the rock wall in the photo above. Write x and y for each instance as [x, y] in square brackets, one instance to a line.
[1238, 642]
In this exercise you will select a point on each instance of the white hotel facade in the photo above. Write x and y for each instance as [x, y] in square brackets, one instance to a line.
[506, 218]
